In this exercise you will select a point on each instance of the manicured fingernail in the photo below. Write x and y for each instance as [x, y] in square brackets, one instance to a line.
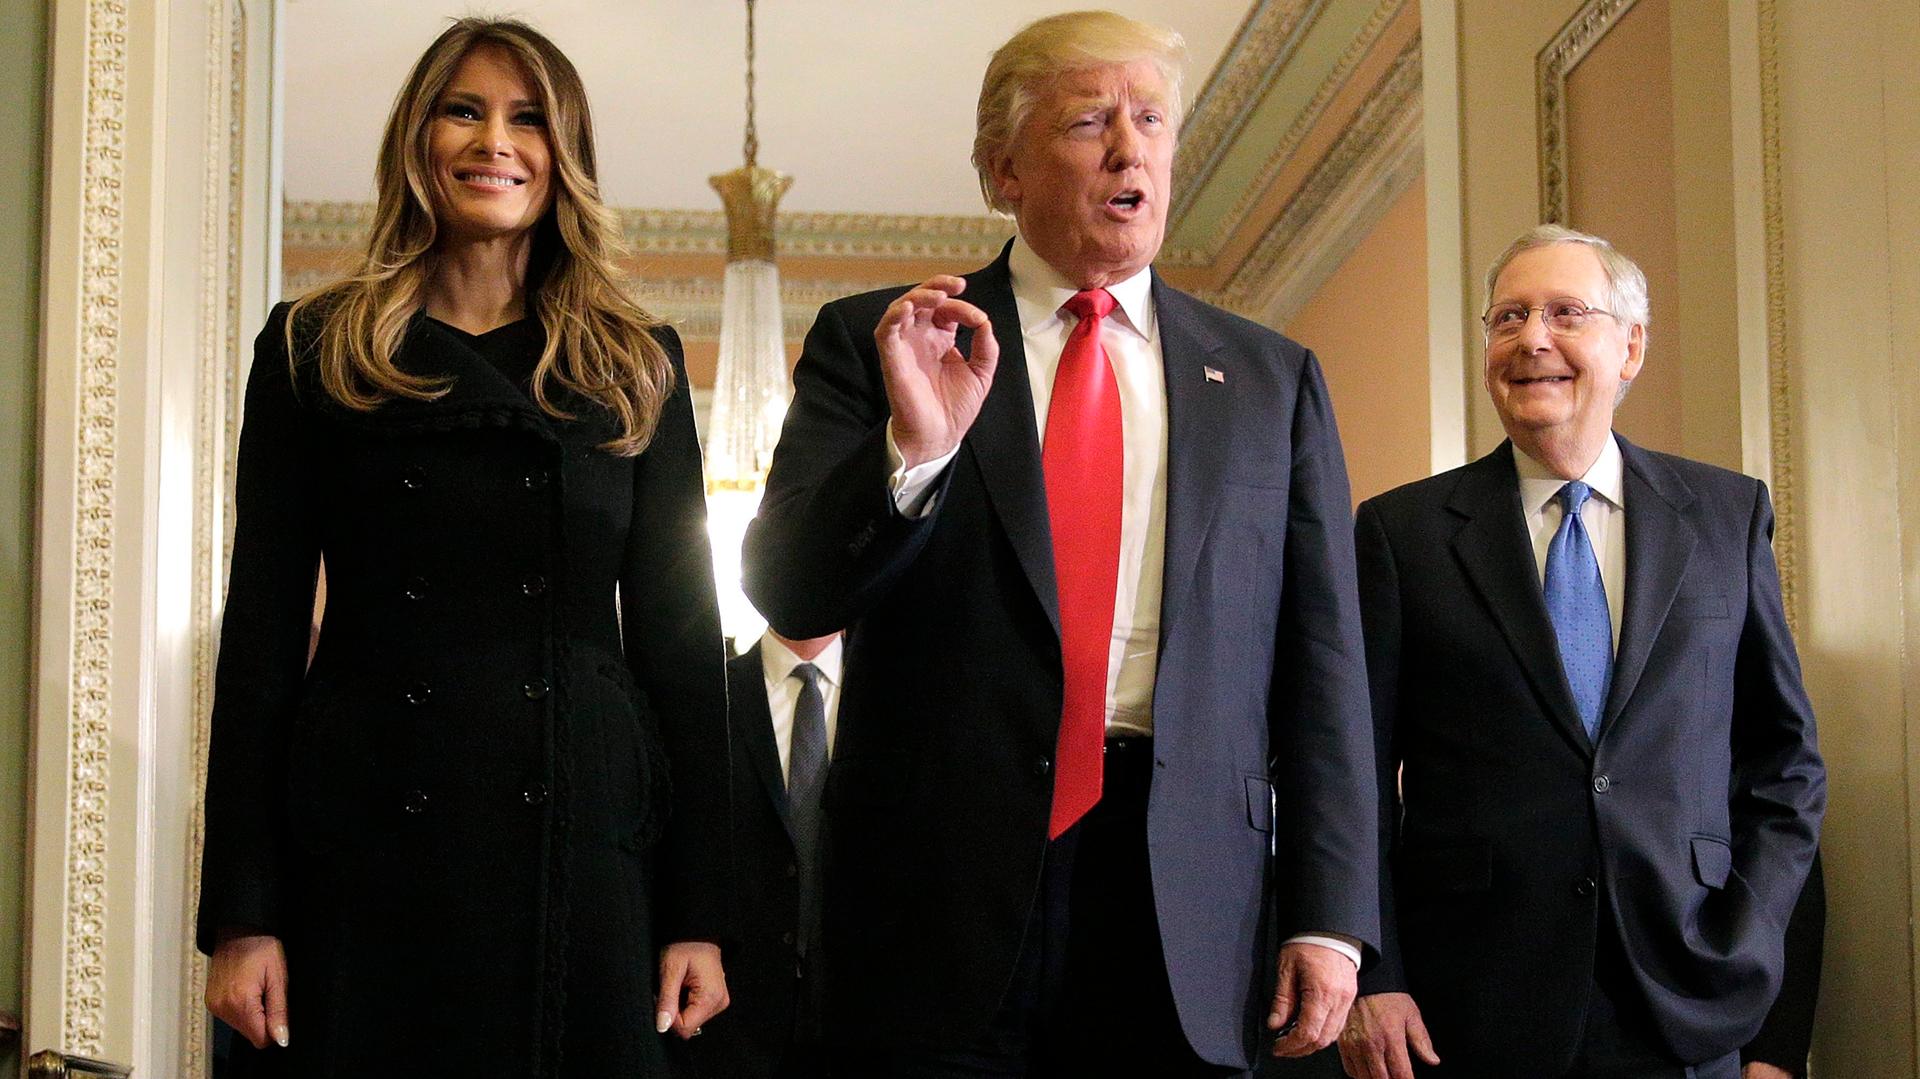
[662, 1021]
[280, 1035]
[1273, 1021]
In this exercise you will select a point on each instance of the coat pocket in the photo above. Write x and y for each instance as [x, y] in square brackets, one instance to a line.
[1712, 861]
[1260, 803]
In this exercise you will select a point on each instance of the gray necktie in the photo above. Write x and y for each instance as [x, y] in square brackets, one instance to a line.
[806, 776]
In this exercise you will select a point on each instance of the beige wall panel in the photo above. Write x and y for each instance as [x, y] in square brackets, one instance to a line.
[1620, 169]
[1368, 326]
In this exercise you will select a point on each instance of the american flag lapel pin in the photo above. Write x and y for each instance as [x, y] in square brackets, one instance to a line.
[1214, 374]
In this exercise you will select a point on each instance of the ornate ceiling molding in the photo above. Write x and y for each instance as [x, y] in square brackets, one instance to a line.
[974, 239]
[1375, 159]
[1258, 52]
[1555, 62]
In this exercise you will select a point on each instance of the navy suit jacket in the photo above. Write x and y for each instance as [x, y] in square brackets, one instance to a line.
[1684, 830]
[756, 1032]
[942, 776]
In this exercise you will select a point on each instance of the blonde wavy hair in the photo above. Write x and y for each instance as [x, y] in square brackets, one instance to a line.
[598, 340]
[1046, 49]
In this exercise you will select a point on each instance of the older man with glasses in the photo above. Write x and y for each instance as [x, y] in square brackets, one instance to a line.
[1608, 791]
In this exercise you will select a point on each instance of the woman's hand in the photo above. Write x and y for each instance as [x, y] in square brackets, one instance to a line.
[690, 969]
[247, 987]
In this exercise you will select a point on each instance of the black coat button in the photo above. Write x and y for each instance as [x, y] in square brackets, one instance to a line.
[1602, 783]
[414, 804]
[1585, 886]
[417, 694]
[534, 585]
[416, 588]
[535, 480]
[534, 688]
[1042, 765]
[535, 795]
[787, 937]
[414, 478]
[792, 870]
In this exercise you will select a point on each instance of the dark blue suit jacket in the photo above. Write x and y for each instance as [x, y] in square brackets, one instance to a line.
[942, 776]
[1686, 827]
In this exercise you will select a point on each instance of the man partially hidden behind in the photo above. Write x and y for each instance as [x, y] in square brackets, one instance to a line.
[1609, 786]
[1102, 800]
[783, 697]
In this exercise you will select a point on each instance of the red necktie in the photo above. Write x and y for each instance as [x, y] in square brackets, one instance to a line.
[1082, 458]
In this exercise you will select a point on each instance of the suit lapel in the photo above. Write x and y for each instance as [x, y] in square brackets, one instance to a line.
[1196, 449]
[1497, 558]
[1005, 443]
[1660, 543]
[753, 725]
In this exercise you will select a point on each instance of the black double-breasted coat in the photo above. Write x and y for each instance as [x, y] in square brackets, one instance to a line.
[503, 778]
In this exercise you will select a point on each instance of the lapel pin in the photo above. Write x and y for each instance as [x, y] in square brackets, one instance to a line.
[1214, 374]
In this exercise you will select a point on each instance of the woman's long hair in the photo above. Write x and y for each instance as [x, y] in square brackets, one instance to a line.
[598, 344]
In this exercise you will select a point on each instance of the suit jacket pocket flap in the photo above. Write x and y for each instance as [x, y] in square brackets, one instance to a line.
[1712, 861]
[1260, 803]
[1453, 868]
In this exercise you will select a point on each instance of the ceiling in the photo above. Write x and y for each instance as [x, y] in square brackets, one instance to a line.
[868, 103]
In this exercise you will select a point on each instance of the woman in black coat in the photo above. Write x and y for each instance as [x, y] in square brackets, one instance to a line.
[449, 845]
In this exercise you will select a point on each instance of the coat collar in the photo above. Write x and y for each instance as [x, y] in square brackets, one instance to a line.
[1197, 413]
[477, 396]
[753, 725]
[1660, 542]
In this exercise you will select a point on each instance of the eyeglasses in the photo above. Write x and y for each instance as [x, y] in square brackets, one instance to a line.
[1564, 317]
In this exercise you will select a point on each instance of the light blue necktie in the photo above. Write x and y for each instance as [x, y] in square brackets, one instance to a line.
[1577, 603]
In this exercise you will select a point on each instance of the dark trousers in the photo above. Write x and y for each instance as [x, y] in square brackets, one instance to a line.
[1089, 995]
[1619, 1040]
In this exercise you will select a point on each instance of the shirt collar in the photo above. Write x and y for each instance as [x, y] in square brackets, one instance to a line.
[1040, 291]
[777, 661]
[1606, 476]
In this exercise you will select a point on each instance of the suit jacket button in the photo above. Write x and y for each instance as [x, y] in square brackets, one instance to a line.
[534, 688]
[535, 480]
[417, 693]
[416, 588]
[1585, 886]
[414, 478]
[792, 870]
[787, 937]
[1602, 783]
[533, 585]
[1042, 766]
[414, 804]
[535, 795]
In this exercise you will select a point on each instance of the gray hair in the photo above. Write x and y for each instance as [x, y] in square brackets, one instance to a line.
[1053, 46]
[1626, 284]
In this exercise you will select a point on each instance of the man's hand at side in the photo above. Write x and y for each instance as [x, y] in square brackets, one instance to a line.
[1380, 1030]
[1315, 988]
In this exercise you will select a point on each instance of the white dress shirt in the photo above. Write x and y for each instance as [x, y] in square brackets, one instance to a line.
[1132, 340]
[777, 662]
[1604, 516]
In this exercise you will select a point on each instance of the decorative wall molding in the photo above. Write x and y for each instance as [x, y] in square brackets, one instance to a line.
[1208, 249]
[1375, 159]
[1266, 40]
[976, 239]
[1555, 62]
[103, 201]
[1786, 526]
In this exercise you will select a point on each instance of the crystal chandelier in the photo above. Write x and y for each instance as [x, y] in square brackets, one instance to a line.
[750, 384]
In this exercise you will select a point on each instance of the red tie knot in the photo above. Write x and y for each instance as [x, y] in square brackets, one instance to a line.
[1093, 303]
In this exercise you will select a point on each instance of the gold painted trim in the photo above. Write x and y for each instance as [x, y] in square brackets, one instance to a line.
[1260, 49]
[1209, 248]
[1786, 517]
[704, 232]
[103, 219]
[1388, 110]
[1555, 62]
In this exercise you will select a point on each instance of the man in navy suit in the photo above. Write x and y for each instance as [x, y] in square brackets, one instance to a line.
[1609, 791]
[1102, 797]
[783, 699]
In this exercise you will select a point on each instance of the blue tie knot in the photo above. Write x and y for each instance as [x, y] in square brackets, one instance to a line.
[1574, 495]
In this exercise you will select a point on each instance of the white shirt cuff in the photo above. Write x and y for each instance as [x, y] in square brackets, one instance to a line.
[1346, 946]
[912, 488]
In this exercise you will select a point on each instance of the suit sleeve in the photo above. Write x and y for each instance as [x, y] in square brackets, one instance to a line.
[1380, 614]
[264, 635]
[671, 633]
[1786, 1037]
[1779, 781]
[1322, 735]
[828, 540]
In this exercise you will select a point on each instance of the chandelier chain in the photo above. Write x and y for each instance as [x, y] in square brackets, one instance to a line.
[752, 145]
